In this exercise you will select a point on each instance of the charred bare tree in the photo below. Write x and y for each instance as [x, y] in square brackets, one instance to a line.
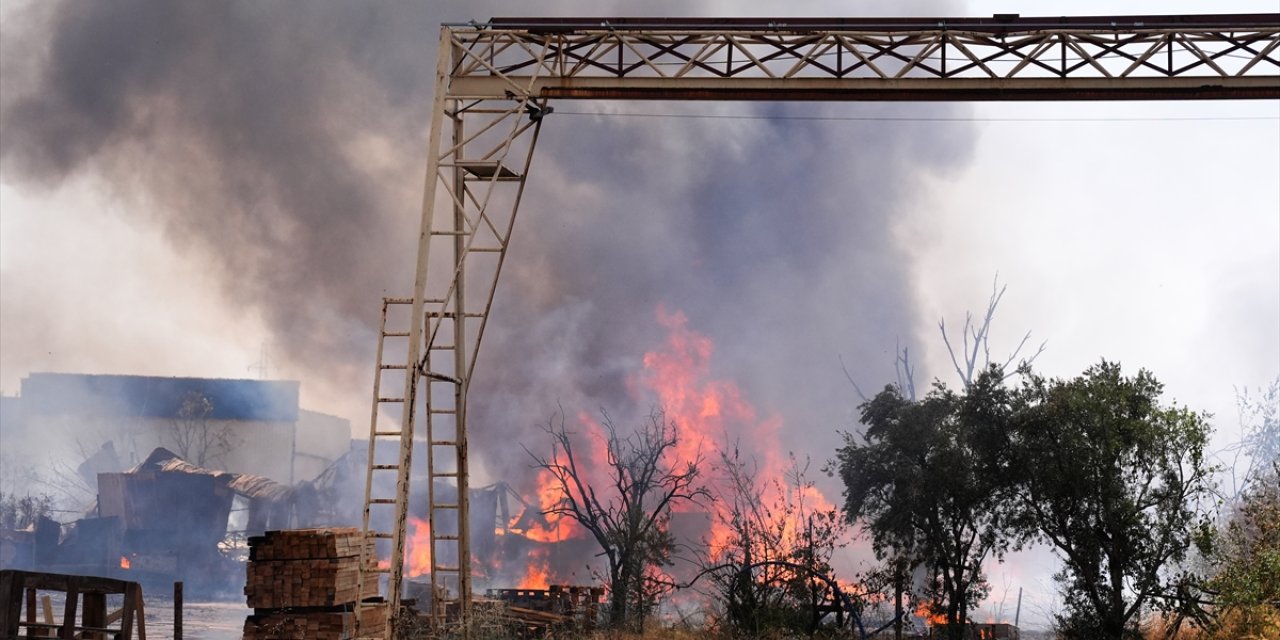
[971, 359]
[626, 506]
[975, 357]
[772, 574]
[197, 438]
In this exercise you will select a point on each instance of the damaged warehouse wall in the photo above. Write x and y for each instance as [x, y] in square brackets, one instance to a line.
[92, 424]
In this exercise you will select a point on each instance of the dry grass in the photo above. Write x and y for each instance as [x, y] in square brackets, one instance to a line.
[1254, 623]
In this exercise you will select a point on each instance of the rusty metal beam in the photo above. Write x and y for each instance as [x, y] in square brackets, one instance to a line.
[877, 90]
[915, 59]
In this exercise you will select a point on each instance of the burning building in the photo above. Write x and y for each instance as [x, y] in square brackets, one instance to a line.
[105, 423]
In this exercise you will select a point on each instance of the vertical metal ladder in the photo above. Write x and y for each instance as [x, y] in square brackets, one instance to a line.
[446, 461]
[446, 453]
[479, 155]
[376, 504]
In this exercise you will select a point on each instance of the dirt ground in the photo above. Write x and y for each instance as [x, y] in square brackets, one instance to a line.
[200, 620]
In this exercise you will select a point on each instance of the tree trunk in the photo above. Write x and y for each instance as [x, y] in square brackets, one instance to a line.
[898, 579]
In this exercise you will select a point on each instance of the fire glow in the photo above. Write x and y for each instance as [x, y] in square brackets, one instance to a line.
[926, 613]
[706, 411]
[418, 553]
[124, 562]
[708, 414]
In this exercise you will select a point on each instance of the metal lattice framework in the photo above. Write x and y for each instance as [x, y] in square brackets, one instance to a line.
[1152, 57]
[493, 84]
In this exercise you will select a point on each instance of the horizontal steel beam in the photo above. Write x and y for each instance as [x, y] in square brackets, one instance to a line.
[876, 89]
[995, 24]
[875, 59]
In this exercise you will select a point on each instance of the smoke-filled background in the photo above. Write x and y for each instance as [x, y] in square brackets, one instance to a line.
[209, 189]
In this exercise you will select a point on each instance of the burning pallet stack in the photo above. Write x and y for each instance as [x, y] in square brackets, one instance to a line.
[302, 584]
[537, 611]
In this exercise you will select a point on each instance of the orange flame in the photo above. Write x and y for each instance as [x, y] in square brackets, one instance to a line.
[538, 573]
[932, 618]
[418, 554]
[124, 563]
[706, 410]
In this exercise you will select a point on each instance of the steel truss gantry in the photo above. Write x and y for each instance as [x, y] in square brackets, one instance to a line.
[493, 84]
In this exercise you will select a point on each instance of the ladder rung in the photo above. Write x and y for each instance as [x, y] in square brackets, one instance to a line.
[485, 250]
[447, 474]
[410, 300]
[448, 537]
[445, 506]
[451, 315]
[390, 399]
[443, 569]
[444, 412]
[382, 500]
[395, 334]
[440, 377]
[444, 443]
[381, 434]
[450, 233]
[385, 467]
[441, 347]
[380, 534]
[392, 366]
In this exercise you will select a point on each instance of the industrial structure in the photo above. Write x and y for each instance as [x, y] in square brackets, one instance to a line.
[495, 82]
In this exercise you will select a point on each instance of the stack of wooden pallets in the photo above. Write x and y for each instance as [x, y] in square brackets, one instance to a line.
[302, 584]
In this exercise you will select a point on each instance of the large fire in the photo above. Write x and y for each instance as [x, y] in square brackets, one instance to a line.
[538, 574]
[934, 619]
[553, 526]
[712, 413]
[709, 414]
[418, 552]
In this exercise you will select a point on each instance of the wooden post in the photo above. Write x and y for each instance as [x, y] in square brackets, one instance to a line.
[10, 603]
[68, 631]
[177, 610]
[46, 605]
[95, 614]
[142, 614]
[31, 609]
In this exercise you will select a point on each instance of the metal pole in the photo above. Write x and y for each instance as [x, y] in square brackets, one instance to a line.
[1017, 615]
[177, 610]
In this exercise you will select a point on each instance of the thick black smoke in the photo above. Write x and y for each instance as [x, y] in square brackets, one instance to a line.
[285, 140]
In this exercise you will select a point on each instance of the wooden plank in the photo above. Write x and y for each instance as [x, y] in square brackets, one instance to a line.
[69, 609]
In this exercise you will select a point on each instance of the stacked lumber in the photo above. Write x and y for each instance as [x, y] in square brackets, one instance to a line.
[303, 544]
[316, 582]
[303, 584]
[313, 625]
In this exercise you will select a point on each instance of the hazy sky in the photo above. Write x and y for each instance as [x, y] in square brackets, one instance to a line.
[179, 192]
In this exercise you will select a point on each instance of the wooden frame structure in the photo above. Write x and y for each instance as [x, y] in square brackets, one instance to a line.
[494, 82]
[86, 598]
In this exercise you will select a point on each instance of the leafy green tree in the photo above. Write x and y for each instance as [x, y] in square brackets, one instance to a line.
[927, 483]
[1246, 587]
[1110, 478]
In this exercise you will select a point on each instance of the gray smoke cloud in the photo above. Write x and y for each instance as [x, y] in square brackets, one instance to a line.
[285, 141]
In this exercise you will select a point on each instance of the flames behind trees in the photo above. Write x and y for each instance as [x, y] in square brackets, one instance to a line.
[623, 490]
[629, 519]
